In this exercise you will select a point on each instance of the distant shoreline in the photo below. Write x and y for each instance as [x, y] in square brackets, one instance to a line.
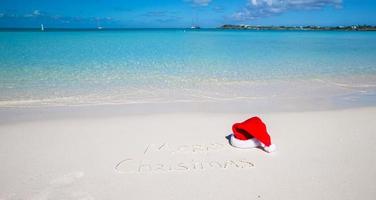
[224, 27]
[301, 28]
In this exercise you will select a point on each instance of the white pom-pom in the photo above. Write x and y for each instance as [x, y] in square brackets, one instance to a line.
[270, 148]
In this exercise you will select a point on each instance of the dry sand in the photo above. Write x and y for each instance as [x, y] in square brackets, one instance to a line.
[321, 155]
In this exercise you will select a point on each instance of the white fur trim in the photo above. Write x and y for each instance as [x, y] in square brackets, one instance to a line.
[244, 144]
[251, 143]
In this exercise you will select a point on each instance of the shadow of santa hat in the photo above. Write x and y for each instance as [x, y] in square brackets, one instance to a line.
[250, 134]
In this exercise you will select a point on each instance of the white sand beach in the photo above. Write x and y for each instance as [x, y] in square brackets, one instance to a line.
[64, 154]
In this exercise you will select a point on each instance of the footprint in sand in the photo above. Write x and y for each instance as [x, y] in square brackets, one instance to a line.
[67, 179]
[65, 187]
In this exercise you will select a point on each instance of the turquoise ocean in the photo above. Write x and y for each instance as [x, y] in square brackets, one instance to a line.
[167, 65]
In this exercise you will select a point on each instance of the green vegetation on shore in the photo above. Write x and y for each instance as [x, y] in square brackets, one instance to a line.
[305, 28]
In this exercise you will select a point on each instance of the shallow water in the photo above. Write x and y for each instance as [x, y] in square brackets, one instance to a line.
[149, 66]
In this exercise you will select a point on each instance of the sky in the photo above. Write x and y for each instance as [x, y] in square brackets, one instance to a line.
[183, 13]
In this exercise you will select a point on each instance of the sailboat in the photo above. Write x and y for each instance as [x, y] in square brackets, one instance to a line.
[41, 27]
[195, 22]
[98, 26]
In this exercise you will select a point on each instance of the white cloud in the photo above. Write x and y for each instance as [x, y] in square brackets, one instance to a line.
[36, 12]
[55, 19]
[263, 8]
[200, 2]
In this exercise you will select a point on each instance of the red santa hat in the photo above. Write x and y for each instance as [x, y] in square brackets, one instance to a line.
[251, 133]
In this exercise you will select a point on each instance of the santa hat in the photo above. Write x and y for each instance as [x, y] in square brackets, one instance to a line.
[251, 133]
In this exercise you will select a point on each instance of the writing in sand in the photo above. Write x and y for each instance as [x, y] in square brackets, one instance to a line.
[162, 158]
[141, 166]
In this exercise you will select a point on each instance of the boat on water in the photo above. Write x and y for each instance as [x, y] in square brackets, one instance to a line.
[195, 27]
[41, 27]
